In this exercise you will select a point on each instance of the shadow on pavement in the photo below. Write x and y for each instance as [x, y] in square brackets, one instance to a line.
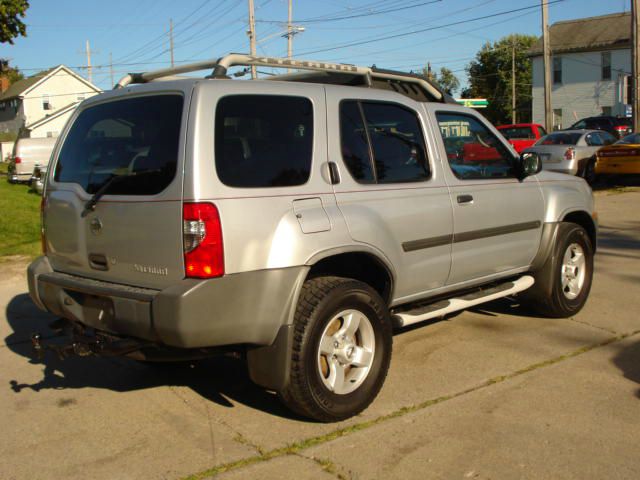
[627, 239]
[628, 360]
[606, 182]
[222, 380]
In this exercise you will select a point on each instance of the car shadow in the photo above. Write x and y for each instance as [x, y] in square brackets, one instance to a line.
[606, 182]
[628, 361]
[223, 380]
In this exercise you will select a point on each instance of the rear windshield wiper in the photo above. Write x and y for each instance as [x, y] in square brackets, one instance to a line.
[91, 203]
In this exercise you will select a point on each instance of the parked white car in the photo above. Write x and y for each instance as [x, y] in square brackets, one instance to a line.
[572, 151]
[27, 153]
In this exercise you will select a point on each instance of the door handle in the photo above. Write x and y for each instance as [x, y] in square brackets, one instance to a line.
[465, 199]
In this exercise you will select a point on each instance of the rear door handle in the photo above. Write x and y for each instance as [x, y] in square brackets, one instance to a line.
[465, 199]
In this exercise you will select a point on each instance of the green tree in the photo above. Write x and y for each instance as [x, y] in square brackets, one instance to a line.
[12, 73]
[490, 77]
[447, 80]
[11, 25]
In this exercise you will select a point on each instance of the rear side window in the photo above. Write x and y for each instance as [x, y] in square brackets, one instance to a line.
[397, 148]
[263, 140]
[137, 138]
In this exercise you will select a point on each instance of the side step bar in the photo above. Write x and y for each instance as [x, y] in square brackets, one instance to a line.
[444, 307]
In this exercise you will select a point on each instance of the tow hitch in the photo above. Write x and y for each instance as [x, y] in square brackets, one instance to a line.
[84, 342]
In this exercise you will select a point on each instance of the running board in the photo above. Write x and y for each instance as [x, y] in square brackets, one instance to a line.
[444, 307]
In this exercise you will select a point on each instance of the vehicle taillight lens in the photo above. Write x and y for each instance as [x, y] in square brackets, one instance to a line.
[17, 160]
[202, 238]
[569, 154]
[620, 128]
[43, 239]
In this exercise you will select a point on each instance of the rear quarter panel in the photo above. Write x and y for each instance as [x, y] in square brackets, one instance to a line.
[259, 225]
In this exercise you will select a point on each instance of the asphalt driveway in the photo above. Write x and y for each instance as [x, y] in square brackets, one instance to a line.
[496, 392]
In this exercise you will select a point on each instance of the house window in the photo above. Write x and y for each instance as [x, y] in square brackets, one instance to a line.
[606, 65]
[52, 134]
[557, 70]
[557, 119]
[3, 106]
[46, 103]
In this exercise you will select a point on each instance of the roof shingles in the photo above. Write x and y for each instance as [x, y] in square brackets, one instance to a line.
[585, 34]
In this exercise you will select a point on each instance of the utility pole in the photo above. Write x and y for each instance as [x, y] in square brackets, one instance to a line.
[289, 31]
[513, 82]
[111, 68]
[546, 56]
[89, 71]
[171, 40]
[635, 61]
[252, 37]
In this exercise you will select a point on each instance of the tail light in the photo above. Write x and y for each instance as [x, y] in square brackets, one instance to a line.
[569, 154]
[202, 239]
[17, 160]
[43, 239]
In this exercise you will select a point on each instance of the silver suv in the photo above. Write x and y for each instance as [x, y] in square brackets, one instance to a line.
[297, 219]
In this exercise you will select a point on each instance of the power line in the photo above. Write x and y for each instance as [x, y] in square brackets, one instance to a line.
[422, 30]
[348, 17]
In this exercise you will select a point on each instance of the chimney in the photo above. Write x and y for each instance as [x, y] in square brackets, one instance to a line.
[4, 84]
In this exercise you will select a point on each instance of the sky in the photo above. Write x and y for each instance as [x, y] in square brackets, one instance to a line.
[394, 34]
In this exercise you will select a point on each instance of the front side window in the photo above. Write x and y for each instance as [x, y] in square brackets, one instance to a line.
[557, 70]
[606, 65]
[473, 151]
[135, 138]
[382, 142]
[263, 140]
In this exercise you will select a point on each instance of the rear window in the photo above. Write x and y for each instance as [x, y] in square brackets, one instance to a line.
[137, 138]
[517, 133]
[560, 139]
[263, 140]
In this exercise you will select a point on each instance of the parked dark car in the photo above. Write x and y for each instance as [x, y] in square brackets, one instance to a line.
[616, 126]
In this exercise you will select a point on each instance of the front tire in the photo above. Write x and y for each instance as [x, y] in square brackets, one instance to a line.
[341, 349]
[564, 282]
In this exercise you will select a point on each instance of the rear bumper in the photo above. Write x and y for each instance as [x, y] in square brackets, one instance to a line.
[244, 308]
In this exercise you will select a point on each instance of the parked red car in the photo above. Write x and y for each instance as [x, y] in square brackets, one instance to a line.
[522, 135]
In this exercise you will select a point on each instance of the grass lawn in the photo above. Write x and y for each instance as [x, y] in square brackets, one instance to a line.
[19, 220]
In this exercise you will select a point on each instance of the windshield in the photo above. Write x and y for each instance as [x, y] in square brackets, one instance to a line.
[123, 138]
[518, 133]
[560, 138]
[634, 138]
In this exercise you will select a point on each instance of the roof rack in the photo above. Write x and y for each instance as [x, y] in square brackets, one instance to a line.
[411, 85]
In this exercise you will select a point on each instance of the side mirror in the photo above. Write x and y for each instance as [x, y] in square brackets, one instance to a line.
[530, 164]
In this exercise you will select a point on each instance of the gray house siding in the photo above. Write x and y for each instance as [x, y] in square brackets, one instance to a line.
[583, 92]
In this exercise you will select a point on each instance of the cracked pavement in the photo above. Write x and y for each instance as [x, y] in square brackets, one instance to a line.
[496, 392]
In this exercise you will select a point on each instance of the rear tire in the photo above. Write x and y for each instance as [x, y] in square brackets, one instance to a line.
[341, 349]
[563, 283]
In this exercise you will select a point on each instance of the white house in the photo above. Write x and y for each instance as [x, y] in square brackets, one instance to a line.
[40, 105]
[590, 71]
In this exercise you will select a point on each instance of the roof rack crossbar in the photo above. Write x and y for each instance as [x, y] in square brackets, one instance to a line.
[221, 66]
